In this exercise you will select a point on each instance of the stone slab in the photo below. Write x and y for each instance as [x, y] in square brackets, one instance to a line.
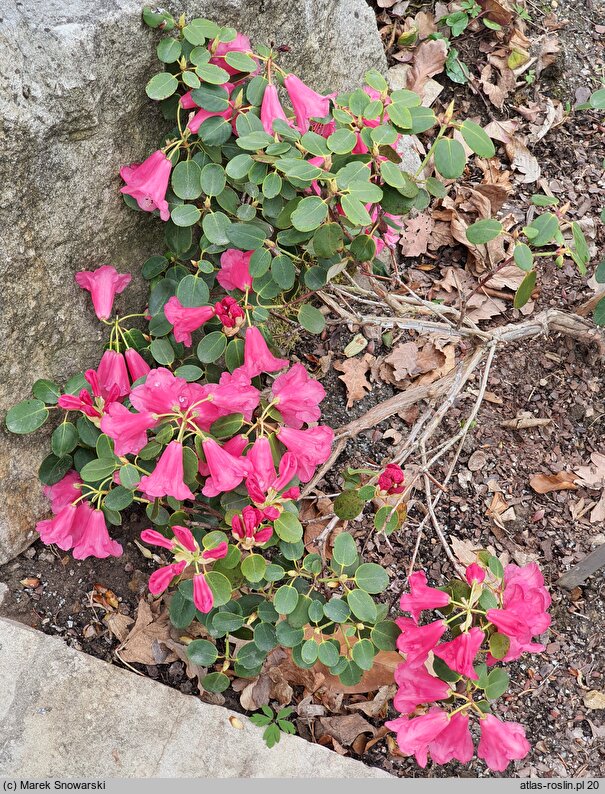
[66, 714]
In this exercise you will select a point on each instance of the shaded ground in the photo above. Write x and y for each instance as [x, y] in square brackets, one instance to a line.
[554, 379]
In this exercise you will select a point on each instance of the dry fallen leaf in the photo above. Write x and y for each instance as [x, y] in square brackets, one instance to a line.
[593, 475]
[118, 624]
[354, 377]
[416, 235]
[30, 582]
[378, 706]
[141, 645]
[524, 421]
[429, 60]
[594, 699]
[345, 728]
[545, 483]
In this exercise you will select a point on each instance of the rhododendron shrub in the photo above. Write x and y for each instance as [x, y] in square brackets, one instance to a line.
[454, 644]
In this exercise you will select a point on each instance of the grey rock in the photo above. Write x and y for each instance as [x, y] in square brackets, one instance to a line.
[72, 110]
[68, 715]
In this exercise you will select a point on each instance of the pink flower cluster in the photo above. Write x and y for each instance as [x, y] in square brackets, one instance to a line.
[391, 479]
[443, 732]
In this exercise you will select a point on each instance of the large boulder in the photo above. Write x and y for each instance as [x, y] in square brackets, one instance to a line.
[72, 109]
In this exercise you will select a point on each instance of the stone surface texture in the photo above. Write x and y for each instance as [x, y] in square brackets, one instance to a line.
[69, 715]
[72, 110]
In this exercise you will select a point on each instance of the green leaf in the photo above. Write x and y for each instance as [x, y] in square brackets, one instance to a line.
[499, 645]
[351, 674]
[450, 159]
[272, 185]
[98, 469]
[337, 609]
[216, 682]
[246, 236]
[539, 200]
[64, 439]
[234, 354]
[344, 551]
[311, 318]
[213, 179]
[283, 272]
[435, 187]
[210, 73]
[355, 211]
[220, 586]
[181, 611]
[581, 246]
[523, 257]
[285, 600]
[227, 621]
[523, 293]
[482, 232]
[271, 735]
[309, 651]
[328, 240]
[342, 141]
[162, 351]
[384, 635]
[371, 577]
[185, 180]
[185, 215]
[227, 426]
[155, 19]
[599, 273]
[26, 416]
[477, 139]
[253, 567]
[488, 600]
[287, 635]
[497, 683]
[444, 672]
[193, 291]
[240, 61]
[161, 86]
[348, 505]
[386, 519]
[119, 498]
[362, 606]
[363, 654]
[599, 313]
[399, 114]
[215, 131]
[363, 248]
[47, 391]
[87, 431]
[328, 653]
[310, 213]
[265, 636]
[52, 469]
[202, 652]
[198, 30]
[129, 476]
[496, 567]
[211, 347]
[288, 527]
[542, 229]
[215, 226]
[168, 50]
[255, 141]
[597, 100]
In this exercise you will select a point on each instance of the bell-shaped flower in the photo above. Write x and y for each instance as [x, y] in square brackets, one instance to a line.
[94, 540]
[240, 43]
[235, 394]
[226, 470]
[161, 393]
[459, 653]
[249, 526]
[501, 742]
[137, 366]
[235, 446]
[307, 104]
[416, 734]
[155, 538]
[64, 492]
[161, 579]
[234, 272]
[60, 528]
[453, 742]
[167, 477]
[271, 109]
[310, 447]
[128, 430]
[474, 573]
[185, 538]
[103, 284]
[216, 553]
[185, 319]
[417, 686]
[112, 372]
[418, 641]
[510, 623]
[202, 594]
[298, 396]
[257, 356]
[81, 402]
[147, 183]
[421, 596]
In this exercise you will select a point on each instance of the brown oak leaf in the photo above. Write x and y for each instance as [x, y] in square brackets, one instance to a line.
[354, 377]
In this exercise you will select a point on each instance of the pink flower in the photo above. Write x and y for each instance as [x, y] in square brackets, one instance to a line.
[310, 447]
[147, 182]
[417, 686]
[155, 538]
[94, 540]
[60, 529]
[103, 284]
[185, 538]
[240, 43]
[235, 270]
[421, 596]
[160, 579]
[257, 356]
[162, 393]
[82, 402]
[459, 654]
[414, 735]
[235, 446]
[249, 526]
[112, 372]
[217, 553]
[298, 396]
[501, 742]
[474, 573]
[202, 594]
[262, 477]
[185, 320]
[391, 480]
[271, 109]
[226, 471]
[454, 741]
[137, 366]
[417, 641]
[229, 312]
[509, 623]
[128, 430]
[201, 116]
[235, 394]
[307, 103]
[64, 492]
[167, 477]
